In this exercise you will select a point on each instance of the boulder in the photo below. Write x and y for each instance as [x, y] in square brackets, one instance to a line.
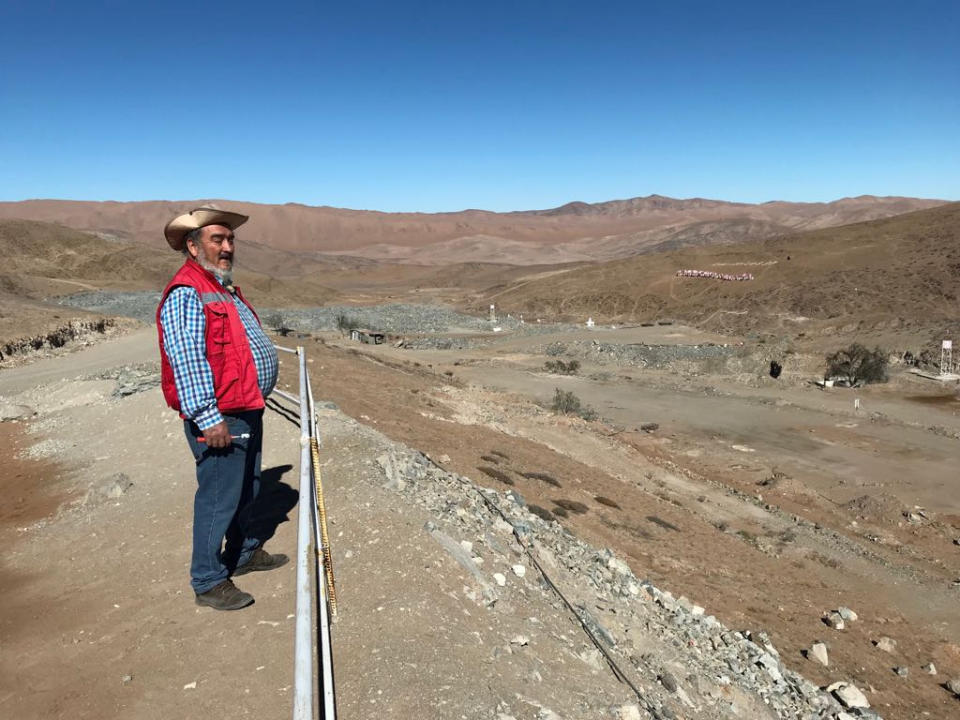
[818, 653]
[848, 695]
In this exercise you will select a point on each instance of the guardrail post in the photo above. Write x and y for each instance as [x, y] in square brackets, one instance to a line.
[303, 644]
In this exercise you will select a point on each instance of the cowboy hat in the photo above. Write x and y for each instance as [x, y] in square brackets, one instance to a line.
[177, 229]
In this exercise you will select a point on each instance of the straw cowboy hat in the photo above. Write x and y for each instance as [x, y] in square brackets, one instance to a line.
[177, 229]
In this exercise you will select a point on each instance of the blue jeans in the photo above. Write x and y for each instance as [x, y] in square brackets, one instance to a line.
[228, 482]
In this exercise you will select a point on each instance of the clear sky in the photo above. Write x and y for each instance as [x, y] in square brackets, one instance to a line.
[436, 106]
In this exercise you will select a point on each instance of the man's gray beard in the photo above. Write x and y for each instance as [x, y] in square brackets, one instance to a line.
[226, 276]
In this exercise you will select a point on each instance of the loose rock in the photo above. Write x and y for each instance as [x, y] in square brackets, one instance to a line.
[847, 614]
[849, 695]
[668, 681]
[886, 644]
[834, 620]
[818, 653]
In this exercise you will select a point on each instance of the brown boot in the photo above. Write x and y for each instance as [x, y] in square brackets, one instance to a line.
[261, 560]
[225, 596]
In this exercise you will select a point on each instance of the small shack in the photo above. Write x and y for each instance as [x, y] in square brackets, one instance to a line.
[370, 337]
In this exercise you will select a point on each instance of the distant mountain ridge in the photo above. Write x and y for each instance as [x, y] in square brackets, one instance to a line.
[573, 232]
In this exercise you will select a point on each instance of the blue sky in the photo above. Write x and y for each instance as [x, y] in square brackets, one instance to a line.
[435, 106]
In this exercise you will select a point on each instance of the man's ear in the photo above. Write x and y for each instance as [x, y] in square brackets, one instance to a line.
[192, 249]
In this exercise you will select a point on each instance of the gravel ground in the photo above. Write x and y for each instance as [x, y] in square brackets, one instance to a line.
[139, 305]
[395, 318]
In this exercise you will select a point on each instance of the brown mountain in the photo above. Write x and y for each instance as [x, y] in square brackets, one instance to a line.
[898, 277]
[576, 231]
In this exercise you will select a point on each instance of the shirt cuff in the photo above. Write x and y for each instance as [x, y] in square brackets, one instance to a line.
[208, 418]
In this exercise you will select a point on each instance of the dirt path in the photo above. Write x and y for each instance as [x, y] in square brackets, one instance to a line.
[137, 347]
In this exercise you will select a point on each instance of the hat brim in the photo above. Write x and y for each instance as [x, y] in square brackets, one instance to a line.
[176, 230]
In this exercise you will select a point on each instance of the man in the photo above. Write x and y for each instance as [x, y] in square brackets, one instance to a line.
[217, 366]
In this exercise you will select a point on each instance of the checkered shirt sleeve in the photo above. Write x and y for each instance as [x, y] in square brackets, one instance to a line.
[183, 340]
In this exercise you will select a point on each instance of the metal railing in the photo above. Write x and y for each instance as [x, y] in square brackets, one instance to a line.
[311, 546]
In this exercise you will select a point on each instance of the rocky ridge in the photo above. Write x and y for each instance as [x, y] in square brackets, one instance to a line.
[681, 661]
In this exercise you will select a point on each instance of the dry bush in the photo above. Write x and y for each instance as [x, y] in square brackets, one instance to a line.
[572, 505]
[346, 324]
[562, 368]
[496, 474]
[490, 459]
[858, 365]
[662, 523]
[607, 501]
[541, 513]
[543, 477]
[500, 454]
[566, 403]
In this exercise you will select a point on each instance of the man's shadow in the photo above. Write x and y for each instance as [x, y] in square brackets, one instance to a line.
[273, 502]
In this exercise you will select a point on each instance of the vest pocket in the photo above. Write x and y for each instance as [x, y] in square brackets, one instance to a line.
[218, 328]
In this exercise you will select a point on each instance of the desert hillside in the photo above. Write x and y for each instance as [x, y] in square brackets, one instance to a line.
[576, 231]
[896, 275]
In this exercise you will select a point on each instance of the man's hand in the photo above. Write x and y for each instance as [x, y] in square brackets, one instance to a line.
[217, 436]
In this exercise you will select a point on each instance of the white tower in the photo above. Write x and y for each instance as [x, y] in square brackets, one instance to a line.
[493, 313]
[946, 357]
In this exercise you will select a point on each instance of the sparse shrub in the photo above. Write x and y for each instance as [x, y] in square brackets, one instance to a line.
[666, 525]
[542, 477]
[572, 505]
[541, 513]
[555, 349]
[607, 501]
[562, 368]
[346, 324]
[490, 459]
[561, 511]
[824, 560]
[858, 365]
[500, 454]
[566, 403]
[278, 324]
[57, 338]
[496, 474]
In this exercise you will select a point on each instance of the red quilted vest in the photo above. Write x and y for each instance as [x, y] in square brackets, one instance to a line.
[228, 352]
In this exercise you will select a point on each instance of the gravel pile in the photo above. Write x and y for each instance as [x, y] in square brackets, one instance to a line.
[132, 379]
[637, 355]
[394, 318]
[140, 305]
[682, 661]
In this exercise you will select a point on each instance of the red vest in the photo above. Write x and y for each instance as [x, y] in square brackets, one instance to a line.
[228, 352]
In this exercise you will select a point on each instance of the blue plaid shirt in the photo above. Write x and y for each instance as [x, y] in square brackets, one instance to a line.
[184, 326]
